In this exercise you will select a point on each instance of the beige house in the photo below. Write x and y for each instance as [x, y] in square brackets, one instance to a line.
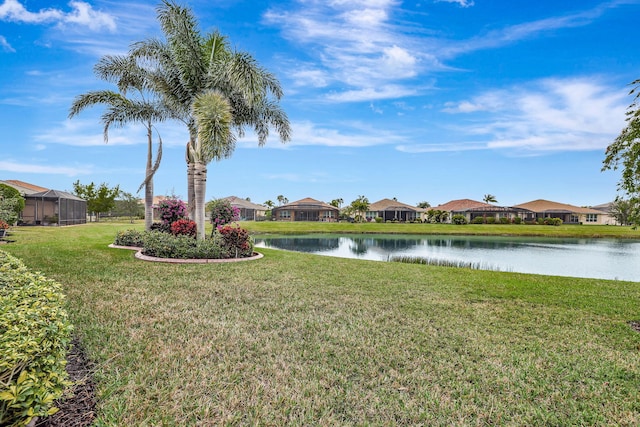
[248, 211]
[306, 210]
[569, 214]
[472, 209]
[393, 210]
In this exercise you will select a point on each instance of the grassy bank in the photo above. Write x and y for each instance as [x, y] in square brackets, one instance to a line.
[581, 231]
[299, 339]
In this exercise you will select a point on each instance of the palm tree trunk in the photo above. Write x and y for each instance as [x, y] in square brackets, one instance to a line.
[148, 187]
[191, 194]
[200, 189]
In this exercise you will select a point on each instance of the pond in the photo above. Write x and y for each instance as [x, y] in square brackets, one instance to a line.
[613, 259]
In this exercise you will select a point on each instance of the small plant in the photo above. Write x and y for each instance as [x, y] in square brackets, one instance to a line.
[477, 220]
[3, 225]
[490, 220]
[517, 220]
[161, 227]
[222, 212]
[459, 219]
[132, 238]
[172, 210]
[236, 240]
[184, 227]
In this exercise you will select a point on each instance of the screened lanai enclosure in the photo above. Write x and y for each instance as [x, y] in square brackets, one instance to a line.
[53, 207]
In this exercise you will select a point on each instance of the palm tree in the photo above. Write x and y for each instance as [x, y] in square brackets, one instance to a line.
[489, 198]
[144, 108]
[360, 206]
[337, 202]
[192, 65]
[215, 141]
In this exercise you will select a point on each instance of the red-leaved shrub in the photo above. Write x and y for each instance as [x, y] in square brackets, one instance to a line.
[184, 227]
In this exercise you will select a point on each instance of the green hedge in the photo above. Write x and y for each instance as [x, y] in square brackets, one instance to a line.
[35, 334]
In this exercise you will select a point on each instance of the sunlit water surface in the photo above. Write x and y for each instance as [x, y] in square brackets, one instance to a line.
[593, 258]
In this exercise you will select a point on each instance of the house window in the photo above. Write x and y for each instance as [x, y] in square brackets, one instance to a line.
[574, 218]
[371, 215]
[285, 214]
[327, 214]
[592, 217]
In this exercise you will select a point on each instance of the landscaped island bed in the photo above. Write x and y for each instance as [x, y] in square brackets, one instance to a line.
[299, 339]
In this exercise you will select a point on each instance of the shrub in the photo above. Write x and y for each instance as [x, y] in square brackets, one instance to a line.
[164, 245]
[222, 212]
[378, 219]
[490, 220]
[477, 220]
[35, 333]
[236, 240]
[171, 210]
[184, 227]
[161, 227]
[129, 238]
[504, 220]
[459, 219]
[517, 220]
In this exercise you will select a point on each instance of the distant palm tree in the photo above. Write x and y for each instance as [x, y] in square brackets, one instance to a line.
[282, 200]
[424, 205]
[360, 206]
[269, 204]
[145, 108]
[337, 203]
[490, 198]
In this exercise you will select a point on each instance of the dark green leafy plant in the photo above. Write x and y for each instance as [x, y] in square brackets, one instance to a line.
[34, 338]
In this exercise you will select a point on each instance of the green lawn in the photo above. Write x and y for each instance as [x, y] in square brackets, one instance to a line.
[582, 231]
[300, 339]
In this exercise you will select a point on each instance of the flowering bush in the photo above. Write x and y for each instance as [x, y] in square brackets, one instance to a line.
[222, 212]
[184, 227]
[172, 210]
[236, 240]
[3, 225]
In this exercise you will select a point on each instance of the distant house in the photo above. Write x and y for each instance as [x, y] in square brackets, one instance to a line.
[472, 209]
[248, 210]
[305, 210]
[605, 208]
[49, 207]
[392, 210]
[569, 214]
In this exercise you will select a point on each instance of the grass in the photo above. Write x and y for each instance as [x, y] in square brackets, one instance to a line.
[579, 231]
[300, 339]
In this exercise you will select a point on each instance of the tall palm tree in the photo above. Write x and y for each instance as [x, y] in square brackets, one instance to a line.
[215, 141]
[193, 64]
[143, 108]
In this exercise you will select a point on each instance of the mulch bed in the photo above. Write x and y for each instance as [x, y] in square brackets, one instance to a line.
[635, 325]
[77, 410]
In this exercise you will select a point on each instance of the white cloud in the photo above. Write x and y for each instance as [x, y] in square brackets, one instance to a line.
[20, 167]
[4, 44]
[81, 13]
[547, 115]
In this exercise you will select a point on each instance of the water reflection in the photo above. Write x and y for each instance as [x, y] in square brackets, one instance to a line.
[596, 258]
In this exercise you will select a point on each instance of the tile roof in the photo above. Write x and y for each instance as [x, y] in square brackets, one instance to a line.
[462, 205]
[24, 187]
[542, 205]
[237, 201]
[307, 203]
[392, 205]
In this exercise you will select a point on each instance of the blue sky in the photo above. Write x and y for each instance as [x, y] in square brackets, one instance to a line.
[427, 100]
